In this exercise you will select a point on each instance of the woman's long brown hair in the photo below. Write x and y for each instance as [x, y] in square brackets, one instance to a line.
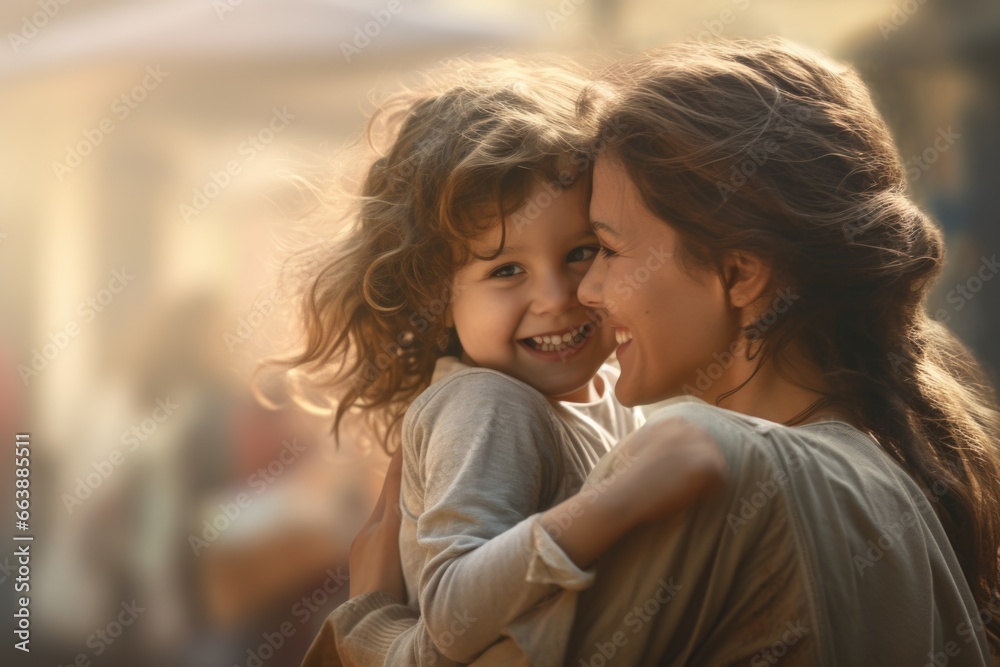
[764, 148]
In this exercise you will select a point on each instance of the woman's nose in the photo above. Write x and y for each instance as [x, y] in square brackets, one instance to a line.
[591, 289]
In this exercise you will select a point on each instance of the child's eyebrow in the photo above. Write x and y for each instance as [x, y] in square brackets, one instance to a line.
[512, 249]
[507, 250]
[597, 225]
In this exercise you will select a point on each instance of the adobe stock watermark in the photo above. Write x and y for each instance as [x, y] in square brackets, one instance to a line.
[262, 308]
[313, 603]
[793, 634]
[364, 34]
[915, 168]
[965, 291]
[605, 651]
[246, 152]
[901, 13]
[625, 288]
[131, 439]
[121, 108]
[420, 320]
[224, 7]
[559, 15]
[918, 164]
[88, 310]
[32, 25]
[617, 462]
[303, 609]
[706, 377]
[767, 489]
[459, 624]
[969, 630]
[891, 535]
[716, 26]
[590, 492]
[259, 480]
[102, 639]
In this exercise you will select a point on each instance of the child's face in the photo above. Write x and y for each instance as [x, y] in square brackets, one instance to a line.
[504, 306]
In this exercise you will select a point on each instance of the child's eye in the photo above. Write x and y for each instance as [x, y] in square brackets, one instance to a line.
[581, 253]
[506, 271]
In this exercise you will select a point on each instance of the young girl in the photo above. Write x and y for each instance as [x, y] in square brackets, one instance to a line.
[450, 310]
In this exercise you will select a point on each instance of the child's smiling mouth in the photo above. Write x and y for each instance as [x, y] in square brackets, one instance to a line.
[560, 342]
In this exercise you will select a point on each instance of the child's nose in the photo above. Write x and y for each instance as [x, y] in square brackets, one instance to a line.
[555, 294]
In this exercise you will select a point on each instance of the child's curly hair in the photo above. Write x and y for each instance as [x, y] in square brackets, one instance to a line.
[465, 149]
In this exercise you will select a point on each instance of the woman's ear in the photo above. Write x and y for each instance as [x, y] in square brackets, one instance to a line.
[747, 278]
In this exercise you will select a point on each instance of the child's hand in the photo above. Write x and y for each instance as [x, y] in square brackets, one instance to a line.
[670, 464]
[375, 562]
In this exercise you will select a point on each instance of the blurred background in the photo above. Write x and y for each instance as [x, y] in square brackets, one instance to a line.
[147, 179]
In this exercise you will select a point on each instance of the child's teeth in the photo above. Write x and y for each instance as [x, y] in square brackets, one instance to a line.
[558, 342]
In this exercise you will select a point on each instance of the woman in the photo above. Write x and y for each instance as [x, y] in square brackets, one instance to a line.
[759, 251]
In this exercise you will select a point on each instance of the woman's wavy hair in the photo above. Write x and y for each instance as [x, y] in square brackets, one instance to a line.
[759, 146]
[463, 150]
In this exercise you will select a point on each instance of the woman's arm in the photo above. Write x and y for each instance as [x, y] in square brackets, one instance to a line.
[375, 563]
[665, 466]
[375, 627]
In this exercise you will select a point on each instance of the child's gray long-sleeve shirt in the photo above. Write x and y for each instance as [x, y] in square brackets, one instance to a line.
[482, 454]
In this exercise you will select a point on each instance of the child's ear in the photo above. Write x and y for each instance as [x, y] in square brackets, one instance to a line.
[449, 319]
[747, 278]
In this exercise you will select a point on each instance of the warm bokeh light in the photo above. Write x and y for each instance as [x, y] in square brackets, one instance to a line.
[147, 182]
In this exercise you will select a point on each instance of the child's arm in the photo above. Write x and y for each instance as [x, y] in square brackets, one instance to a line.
[483, 452]
[669, 465]
[486, 451]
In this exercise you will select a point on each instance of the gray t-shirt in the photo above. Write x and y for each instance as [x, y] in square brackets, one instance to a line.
[820, 551]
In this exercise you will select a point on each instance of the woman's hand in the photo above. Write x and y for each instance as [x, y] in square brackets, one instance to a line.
[374, 561]
[662, 468]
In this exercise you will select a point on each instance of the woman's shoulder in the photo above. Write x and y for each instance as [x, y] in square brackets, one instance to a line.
[740, 437]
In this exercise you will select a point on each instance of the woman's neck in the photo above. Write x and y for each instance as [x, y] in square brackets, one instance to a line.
[777, 397]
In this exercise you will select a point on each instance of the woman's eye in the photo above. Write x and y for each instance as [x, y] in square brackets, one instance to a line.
[606, 251]
[581, 253]
[506, 271]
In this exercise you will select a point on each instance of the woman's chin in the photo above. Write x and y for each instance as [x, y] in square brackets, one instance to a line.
[624, 394]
